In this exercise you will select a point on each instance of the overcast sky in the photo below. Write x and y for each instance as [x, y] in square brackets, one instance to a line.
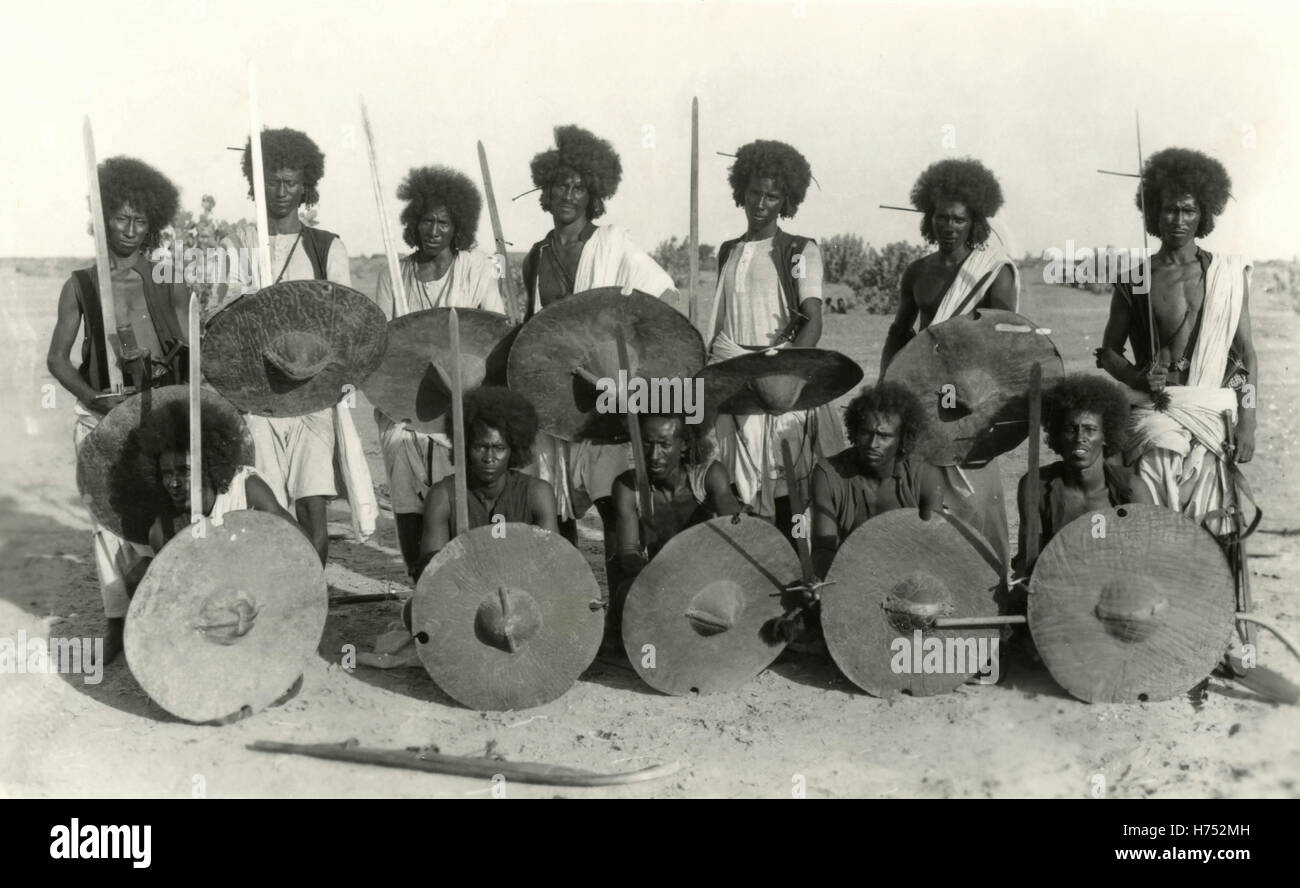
[870, 93]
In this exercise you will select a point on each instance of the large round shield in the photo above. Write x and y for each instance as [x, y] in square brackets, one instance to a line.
[1130, 604]
[227, 620]
[778, 380]
[503, 617]
[566, 346]
[890, 579]
[694, 618]
[293, 348]
[118, 483]
[971, 373]
[412, 385]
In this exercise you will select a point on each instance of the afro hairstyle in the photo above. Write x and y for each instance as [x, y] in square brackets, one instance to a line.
[891, 399]
[428, 188]
[698, 447]
[1085, 391]
[167, 429]
[769, 159]
[287, 149]
[583, 152]
[966, 181]
[1182, 171]
[510, 413]
[125, 180]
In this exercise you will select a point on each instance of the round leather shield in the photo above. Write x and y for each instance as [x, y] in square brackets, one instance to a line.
[118, 483]
[694, 618]
[971, 373]
[1131, 604]
[891, 578]
[227, 620]
[293, 348]
[564, 348]
[503, 617]
[778, 380]
[412, 382]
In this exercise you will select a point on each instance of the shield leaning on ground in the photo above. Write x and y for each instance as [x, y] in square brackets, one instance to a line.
[891, 577]
[561, 352]
[293, 348]
[694, 617]
[411, 383]
[1131, 604]
[227, 620]
[506, 622]
[971, 373]
[119, 484]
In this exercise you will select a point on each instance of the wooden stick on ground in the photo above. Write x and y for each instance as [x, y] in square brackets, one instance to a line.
[390, 251]
[506, 285]
[461, 456]
[107, 307]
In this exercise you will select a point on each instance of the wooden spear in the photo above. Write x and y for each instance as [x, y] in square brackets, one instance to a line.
[196, 416]
[693, 284]
[263, 221]
[390, 251]
[461, 517]
[506, 285]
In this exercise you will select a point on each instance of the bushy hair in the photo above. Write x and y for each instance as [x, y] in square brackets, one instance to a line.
[509, 412]
[125, 180]
[579, 151]
[1183, 171]
[697, 447]
[427, 188]
[888, 398]
[167, 428]
[1085, 391]
[966, 181]
[769, 159]
[287, 149]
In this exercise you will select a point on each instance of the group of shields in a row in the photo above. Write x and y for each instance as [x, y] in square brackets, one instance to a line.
[509, 616]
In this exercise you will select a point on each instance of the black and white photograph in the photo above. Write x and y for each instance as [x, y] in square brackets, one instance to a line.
[674, 399]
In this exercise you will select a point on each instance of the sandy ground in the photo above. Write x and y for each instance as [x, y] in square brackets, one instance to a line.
[799, 723]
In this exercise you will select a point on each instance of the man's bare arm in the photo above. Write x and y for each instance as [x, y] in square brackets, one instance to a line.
[901, 330]
[1002, 295]
[66, 326]
[437, 526]
[718, 485]
[627, 529]
[1110, 357]
[260, 498]
[1244, 343]
[825, 530]
[811, 331]
[541, 505]
[930, 496]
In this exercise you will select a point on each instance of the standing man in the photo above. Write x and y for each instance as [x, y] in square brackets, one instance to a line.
[1205, 359]
[958, 198]
[769, 294]
[439, 220]
[297, 456]
[575, 178]
[139, 202]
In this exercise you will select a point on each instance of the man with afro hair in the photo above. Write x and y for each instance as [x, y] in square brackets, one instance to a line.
[139, 202]
[1084, 418]
[1205, 364]
[576, 178]
[299, 457]
[439, 220]
[500, 426]
[769, 294]
[876, 474]
[969, 270]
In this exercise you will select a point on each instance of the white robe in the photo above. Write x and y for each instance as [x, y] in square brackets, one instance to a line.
[584, 472]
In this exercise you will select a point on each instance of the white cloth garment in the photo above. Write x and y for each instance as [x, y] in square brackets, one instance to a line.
[980, 268]
[415, 461]
[750, 308]
[584, 472]
[1179, 452]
